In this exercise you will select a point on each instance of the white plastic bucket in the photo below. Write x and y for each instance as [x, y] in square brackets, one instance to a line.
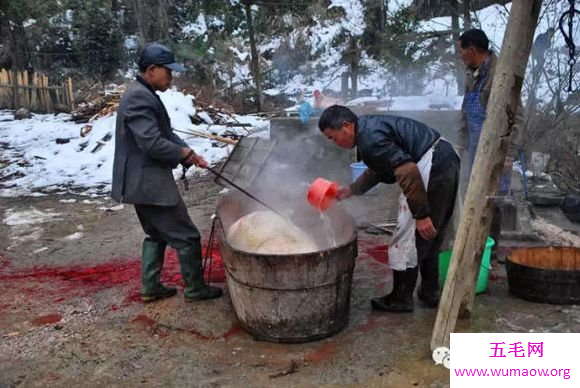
[357, 169]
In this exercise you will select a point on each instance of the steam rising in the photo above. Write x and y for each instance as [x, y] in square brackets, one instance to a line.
[282, 181]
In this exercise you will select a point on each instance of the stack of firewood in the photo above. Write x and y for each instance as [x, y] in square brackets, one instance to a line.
[104, 105]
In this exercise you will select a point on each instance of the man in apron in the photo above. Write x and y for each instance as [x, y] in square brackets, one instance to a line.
[426, 167]
[473, 46]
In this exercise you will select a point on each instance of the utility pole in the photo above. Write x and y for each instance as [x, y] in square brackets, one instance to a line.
[255, 59]
[459, 291]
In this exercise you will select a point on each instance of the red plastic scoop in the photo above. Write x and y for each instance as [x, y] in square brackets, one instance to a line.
[322, 193]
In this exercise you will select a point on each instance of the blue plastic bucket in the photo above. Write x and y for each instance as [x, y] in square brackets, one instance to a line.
[357, 169]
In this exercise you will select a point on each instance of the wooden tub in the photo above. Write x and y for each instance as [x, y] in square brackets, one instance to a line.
[545, 274]
[290, 298]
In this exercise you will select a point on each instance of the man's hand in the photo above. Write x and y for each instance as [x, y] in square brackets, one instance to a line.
[425, 228]
[190, 158]
[343, 193]
[200, 162]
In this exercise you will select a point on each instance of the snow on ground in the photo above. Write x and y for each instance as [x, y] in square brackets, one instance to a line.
[34, 160]
[25, 224]
[31, 216]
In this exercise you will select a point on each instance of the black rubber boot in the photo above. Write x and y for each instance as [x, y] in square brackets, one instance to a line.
[429, 290]
[151, 264]
[192, 273]
[400, 300]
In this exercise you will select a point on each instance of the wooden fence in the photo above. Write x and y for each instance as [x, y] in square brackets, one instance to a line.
[21, 89]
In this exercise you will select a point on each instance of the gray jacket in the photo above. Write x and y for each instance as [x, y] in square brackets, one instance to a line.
[146, 150]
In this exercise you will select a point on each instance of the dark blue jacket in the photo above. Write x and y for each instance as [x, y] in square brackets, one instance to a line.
[385, 142]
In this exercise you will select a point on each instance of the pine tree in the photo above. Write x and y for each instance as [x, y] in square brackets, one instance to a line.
[97, 39]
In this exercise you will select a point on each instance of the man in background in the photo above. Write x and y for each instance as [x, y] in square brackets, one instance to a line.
[480, 64]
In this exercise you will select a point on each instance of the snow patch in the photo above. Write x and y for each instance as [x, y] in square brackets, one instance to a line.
[31, 216]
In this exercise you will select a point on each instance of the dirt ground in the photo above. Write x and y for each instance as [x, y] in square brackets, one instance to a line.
[70, 312]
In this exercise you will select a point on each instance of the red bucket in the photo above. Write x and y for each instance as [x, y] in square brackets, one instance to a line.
[322, 194]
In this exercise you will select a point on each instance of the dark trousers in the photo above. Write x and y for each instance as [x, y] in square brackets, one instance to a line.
[441, 194]
[171, 224]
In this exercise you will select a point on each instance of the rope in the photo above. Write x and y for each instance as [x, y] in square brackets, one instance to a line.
[568, 38]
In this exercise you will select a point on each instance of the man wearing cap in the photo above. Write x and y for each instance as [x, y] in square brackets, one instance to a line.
[146, 151]
[426, 167]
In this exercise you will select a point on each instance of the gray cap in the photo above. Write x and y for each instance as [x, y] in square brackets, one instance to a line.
[158, 54]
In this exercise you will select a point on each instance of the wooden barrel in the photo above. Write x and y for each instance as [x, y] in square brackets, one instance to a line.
[289, 298]
[545, 274]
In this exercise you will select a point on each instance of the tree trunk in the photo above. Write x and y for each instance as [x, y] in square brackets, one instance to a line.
[466, 14]
[255, 59]
[382, 15]
[459, 69]
[459, 291]
[152, 20]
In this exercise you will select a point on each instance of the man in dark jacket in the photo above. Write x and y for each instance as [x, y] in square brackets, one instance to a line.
[426, 167]
[146, 151]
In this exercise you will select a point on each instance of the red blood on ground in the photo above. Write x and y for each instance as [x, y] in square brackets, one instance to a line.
[370, 325]
[59, 283]
[150, 323]
[326, 351]
[47, 319]
[145, 320]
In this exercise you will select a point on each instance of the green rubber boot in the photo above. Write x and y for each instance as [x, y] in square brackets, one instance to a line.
[151, 264]
[192, 274]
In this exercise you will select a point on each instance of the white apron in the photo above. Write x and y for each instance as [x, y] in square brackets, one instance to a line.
[402, 250]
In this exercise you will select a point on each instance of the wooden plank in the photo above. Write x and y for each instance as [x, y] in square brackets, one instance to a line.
[66, 101]
[568, 258]
[45, 96]
[26, 91]
[45, 102]
[459, 291]
[534, 257]
[16, 92]
[40, 93]
[49, 99]
[556, 257]
[57, 98]
[3, 91]
[13, 94]
[70, 93]
[34, 93]
[22, 91]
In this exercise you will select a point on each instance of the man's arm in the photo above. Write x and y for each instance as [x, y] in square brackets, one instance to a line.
[389, 156]
[364, 183]
[177, 140]
[411, 182]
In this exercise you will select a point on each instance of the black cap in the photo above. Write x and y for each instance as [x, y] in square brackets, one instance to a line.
[158, 54]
